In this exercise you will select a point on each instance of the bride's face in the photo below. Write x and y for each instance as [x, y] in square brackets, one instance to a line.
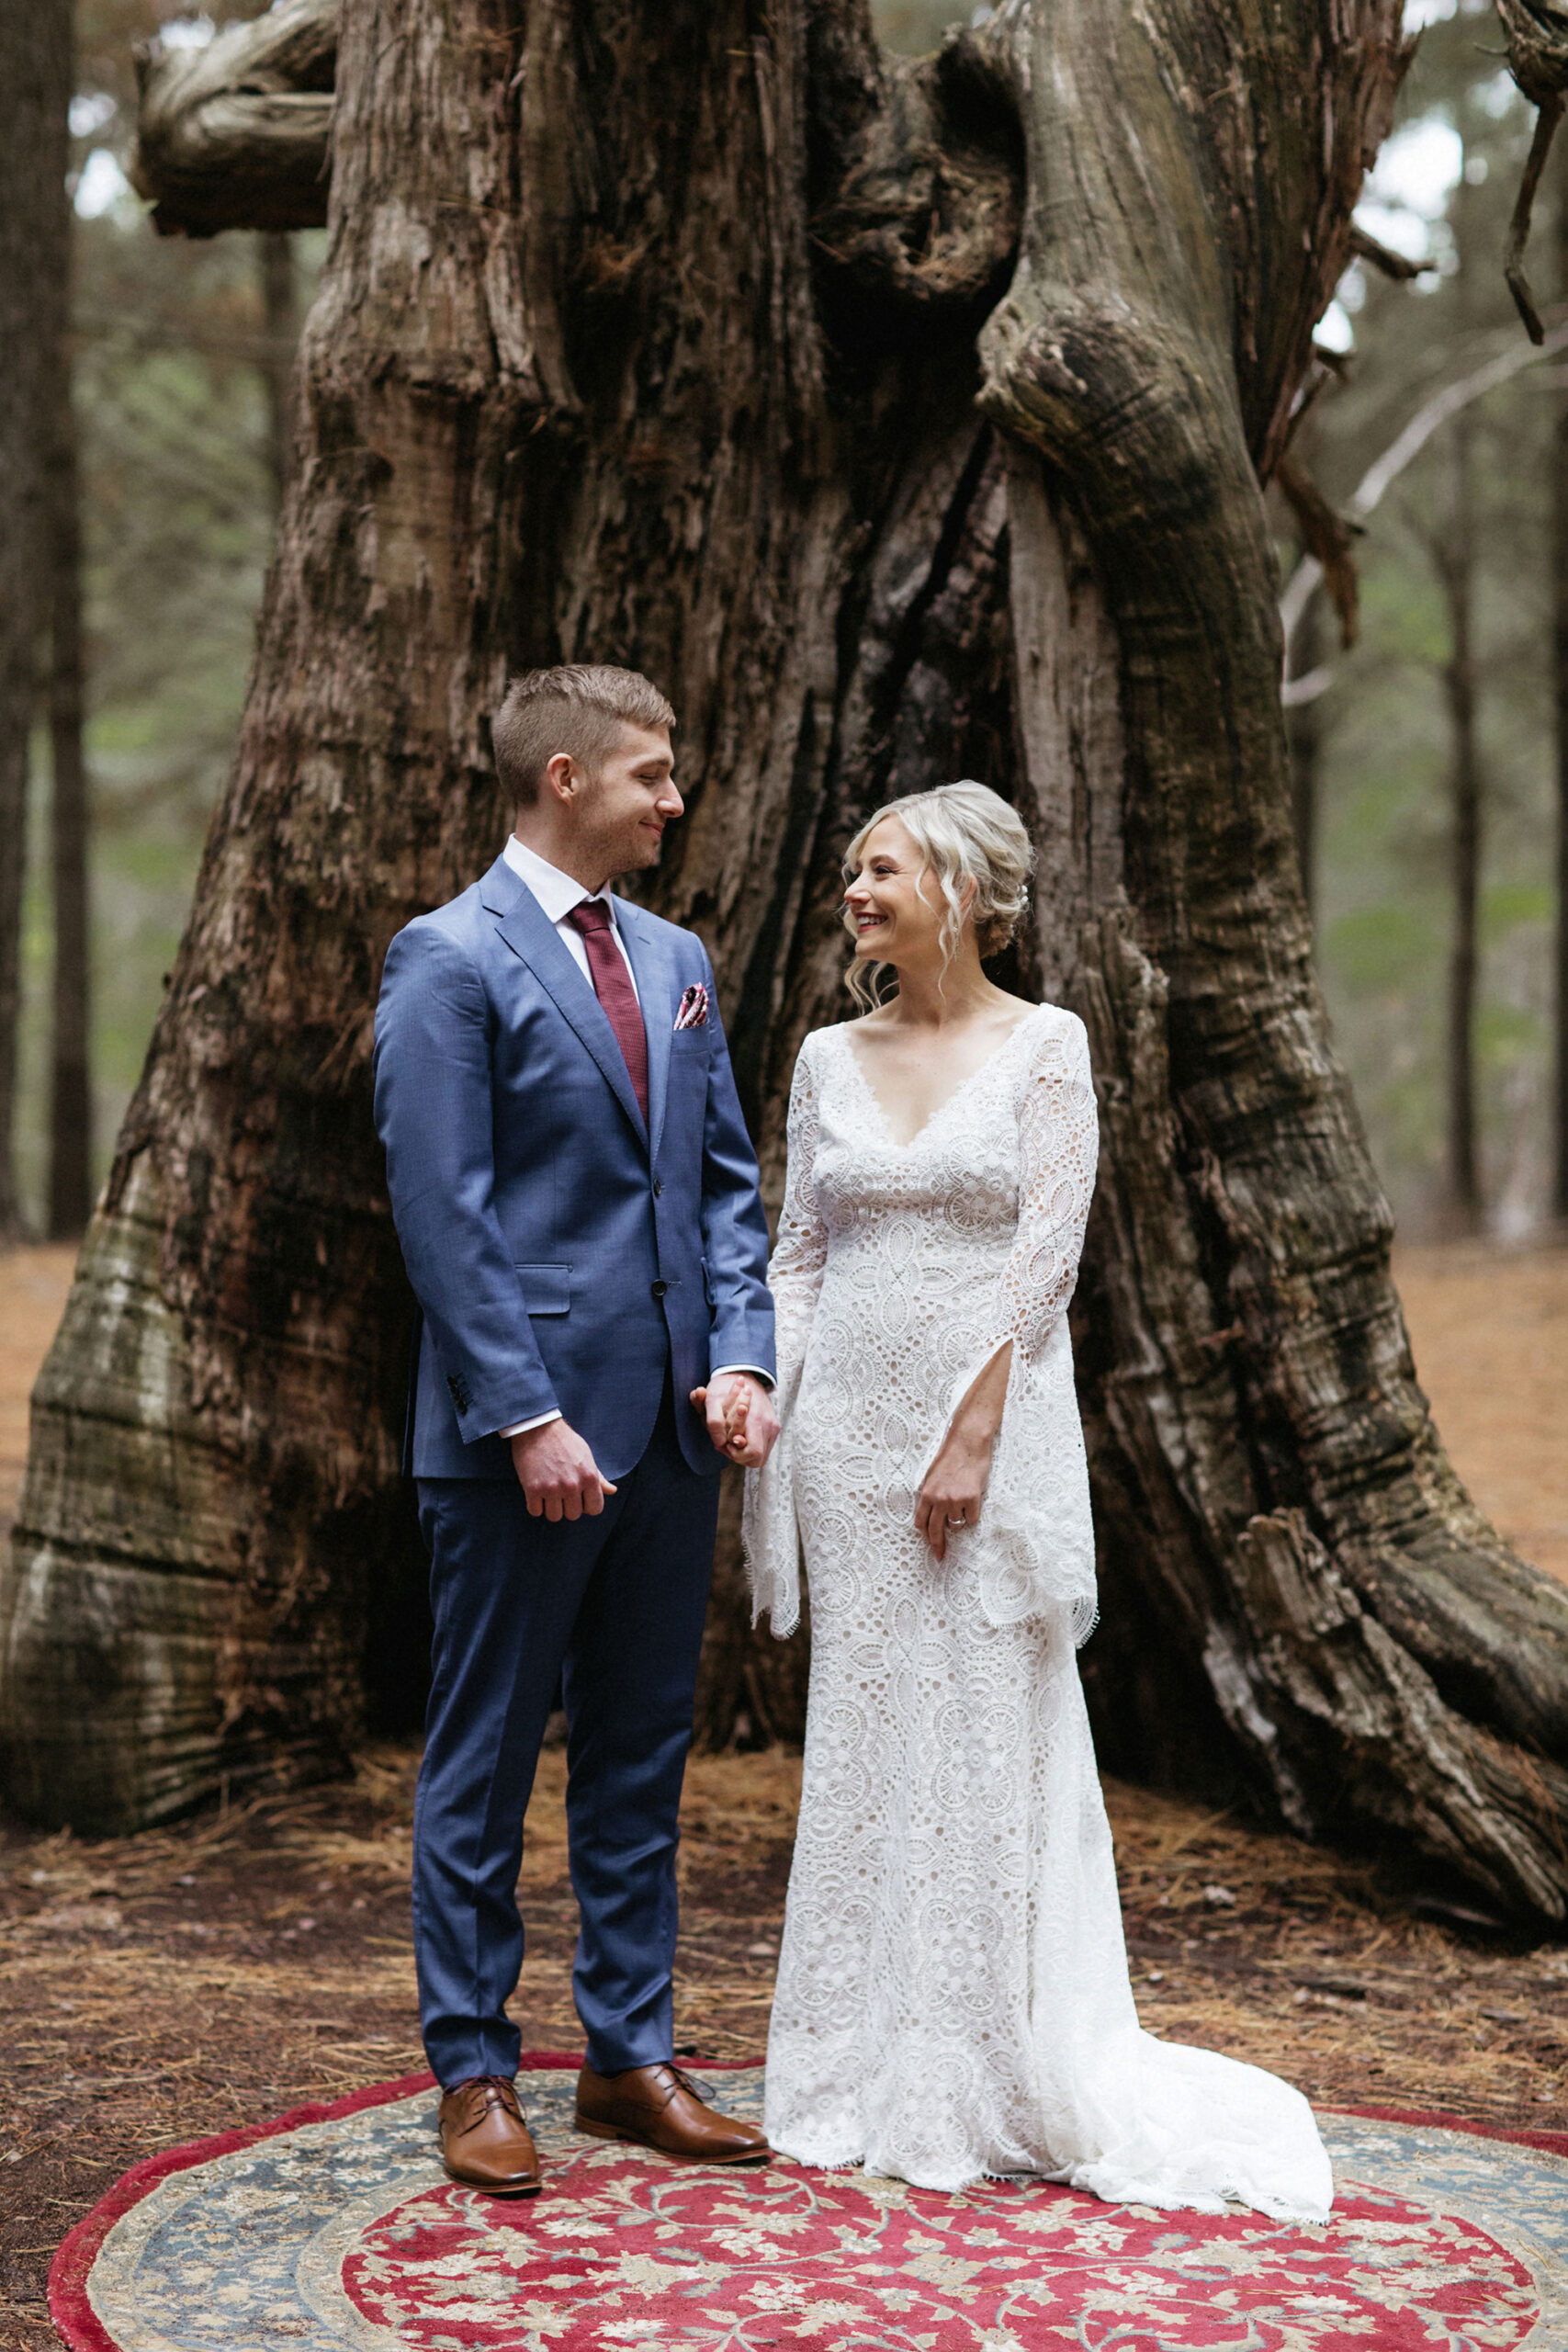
[893, 905]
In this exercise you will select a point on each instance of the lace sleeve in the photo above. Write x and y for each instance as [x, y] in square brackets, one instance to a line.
[1058, 1133]
[769, 1527]
[1034, 1550]
[800, 1251]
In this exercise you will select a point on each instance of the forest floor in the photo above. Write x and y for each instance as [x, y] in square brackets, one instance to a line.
[193, 1979]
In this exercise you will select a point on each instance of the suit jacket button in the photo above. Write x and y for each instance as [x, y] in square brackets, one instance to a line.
[659, 1289]
[658, 1189]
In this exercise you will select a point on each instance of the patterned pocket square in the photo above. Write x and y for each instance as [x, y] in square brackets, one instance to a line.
[694, 1012]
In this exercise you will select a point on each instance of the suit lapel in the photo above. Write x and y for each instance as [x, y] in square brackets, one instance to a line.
[656, 994]
[532, 936]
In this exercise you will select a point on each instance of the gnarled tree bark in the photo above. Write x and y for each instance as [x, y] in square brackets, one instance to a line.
[904, 422]
[237, 135]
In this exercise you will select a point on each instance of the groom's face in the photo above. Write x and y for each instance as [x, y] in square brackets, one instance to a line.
[629, 801]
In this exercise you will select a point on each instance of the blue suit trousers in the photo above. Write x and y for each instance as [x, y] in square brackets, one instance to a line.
[613, 1606]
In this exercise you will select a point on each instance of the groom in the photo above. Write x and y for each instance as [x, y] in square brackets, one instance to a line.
[577, 1203]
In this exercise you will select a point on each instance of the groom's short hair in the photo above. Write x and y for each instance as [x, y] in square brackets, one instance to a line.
[578, 708]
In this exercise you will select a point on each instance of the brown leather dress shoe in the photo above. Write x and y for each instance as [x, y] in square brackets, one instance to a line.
[484, 2141]
[659, 2106]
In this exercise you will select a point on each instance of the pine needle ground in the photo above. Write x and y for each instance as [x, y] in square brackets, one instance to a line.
[192, 1980]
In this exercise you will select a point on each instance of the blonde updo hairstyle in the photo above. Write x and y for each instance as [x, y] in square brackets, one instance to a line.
[966, 833]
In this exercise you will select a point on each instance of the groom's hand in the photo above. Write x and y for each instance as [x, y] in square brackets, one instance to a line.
[557, 1472]
[740, 1418]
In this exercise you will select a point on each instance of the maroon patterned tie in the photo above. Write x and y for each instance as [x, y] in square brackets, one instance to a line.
[612, 986]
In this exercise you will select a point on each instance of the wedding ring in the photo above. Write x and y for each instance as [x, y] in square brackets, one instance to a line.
[958, 1523]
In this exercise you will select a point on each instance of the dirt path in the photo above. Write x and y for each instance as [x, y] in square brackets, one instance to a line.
[33, 1285]
[1490, 1332]
[161, 1987]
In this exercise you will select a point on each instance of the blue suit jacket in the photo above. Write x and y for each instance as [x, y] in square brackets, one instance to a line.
[562, 1253]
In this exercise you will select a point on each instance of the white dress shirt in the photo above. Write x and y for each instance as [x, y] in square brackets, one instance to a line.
[557, 894]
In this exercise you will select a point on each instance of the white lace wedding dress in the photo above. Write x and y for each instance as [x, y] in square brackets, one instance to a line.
[952, 1996]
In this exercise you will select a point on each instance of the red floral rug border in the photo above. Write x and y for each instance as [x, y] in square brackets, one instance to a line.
[80, 2330]
[1550, 2144]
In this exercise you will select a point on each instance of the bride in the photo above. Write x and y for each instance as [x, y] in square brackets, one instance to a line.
[952, 1994]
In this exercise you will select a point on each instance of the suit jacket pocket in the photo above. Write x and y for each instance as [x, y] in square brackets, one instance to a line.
[547, 1290]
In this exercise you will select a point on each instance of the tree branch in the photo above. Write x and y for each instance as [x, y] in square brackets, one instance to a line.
[1546, 124]
[1368, 249]
[1538, 59]
[237, 135]
[1328, 537]
[1385, 470]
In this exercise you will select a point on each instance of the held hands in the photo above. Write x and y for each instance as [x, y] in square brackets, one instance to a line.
[740, 1418]
[558, 1474]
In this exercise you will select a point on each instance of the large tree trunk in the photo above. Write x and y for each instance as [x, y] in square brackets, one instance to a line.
[1457, 567]
[1560, 700]
[69, 1093]
[35, 74]
[280, 329]
[650, 336]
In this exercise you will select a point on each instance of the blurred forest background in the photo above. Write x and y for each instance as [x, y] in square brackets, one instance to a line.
[1427, 753]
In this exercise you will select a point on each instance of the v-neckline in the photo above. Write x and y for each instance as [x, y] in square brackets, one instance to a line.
[931, 1116]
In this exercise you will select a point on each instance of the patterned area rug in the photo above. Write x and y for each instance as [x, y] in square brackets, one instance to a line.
[336, 2227]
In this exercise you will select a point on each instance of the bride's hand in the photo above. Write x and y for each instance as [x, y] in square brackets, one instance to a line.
[954, 1486]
